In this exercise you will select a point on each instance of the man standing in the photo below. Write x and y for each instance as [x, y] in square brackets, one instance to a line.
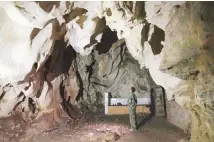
[132, 102]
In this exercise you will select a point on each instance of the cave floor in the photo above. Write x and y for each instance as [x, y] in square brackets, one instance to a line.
[97, 128]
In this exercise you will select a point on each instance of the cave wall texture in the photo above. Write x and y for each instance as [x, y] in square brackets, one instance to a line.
[56, 55]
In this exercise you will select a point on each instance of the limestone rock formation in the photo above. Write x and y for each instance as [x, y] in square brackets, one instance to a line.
[113, 71]
[57, 57]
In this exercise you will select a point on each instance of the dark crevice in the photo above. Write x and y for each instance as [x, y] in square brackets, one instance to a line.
[109, 37]
[46, 70]
[4, 92]
[90, 70]
[144, 33]
[62, 58]
[35, 65]
[73, 112]
[31, 104]
[79, 78]
[80, 93]
[8, 85]
[58, 62]
[39, 92]
[27, 87]
[103, 85]
[194, 73]
[33, 34]
[2, 95]
[177, 6]
[156, 39]
[165, 97]
[20, 94]
[140, 12]
[64, 102]
[121, 53]
[158, 11]
[54, 65]
[17, 104]
[153, 98]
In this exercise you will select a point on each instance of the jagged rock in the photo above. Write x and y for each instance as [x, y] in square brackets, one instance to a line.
[188, 32]
[36, 14]
[167, 81]
[127, 27]
[41, 72]
[160, 13]
[115, 72]
[187, 55]
[186, 50]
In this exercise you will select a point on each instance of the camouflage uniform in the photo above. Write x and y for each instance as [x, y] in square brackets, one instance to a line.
[132, 101]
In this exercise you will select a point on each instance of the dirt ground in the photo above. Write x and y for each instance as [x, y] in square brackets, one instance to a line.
[94, 128]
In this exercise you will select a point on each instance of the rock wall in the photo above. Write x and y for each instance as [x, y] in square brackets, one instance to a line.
[178, 116]
[158, 100]
[57, 70]
[114, 71]
[44, 48]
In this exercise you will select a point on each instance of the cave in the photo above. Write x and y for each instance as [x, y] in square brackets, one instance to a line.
[78, 71]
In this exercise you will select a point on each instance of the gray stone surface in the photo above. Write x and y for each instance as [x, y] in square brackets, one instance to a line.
[158, 101]
[115, 72]
[178, 116]
[187, 34]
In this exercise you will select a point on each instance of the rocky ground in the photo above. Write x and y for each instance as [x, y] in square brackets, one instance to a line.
[93, 128]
